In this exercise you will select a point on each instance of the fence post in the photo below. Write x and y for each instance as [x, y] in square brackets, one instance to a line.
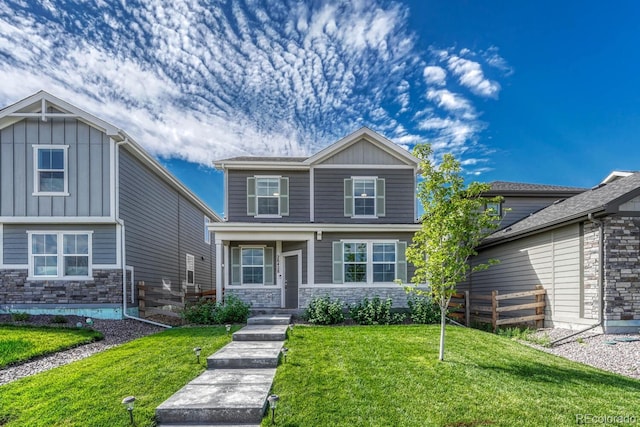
[467, 309]
[494, 310]
[539, 310]
[141, 302]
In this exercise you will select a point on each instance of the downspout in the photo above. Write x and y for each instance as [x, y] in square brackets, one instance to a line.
[123, 246]
[600, 282]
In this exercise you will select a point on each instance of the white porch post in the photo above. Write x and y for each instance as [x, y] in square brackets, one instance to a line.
[219, 272]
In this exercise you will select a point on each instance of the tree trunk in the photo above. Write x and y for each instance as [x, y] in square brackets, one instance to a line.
[443, 323]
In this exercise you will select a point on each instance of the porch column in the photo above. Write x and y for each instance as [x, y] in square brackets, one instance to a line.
[219, 267]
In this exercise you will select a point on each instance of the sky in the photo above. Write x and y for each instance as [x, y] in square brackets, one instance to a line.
[529, 91]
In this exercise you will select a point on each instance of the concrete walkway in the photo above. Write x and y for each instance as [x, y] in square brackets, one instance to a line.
[234, 389]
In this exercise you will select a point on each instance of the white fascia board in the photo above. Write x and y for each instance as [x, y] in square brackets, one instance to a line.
[278, 228]
[57, 220]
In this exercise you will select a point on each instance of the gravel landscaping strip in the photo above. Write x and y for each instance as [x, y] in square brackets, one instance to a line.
[115, 332]
[613, 353]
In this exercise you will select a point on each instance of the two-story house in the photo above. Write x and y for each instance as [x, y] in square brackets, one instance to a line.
[336, 223]
[86, 213]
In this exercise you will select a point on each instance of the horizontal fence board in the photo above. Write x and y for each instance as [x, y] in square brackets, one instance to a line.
[520, 294]
[159, 311]
[522, 319]
[520, 307]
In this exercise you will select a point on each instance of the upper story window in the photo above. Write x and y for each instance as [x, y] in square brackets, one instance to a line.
[369, 262]
[50, 166]
[364, 197]
[267, 196]
[60, 255]
[495, 208]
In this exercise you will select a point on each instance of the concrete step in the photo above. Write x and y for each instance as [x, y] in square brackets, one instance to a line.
[218, 396]
[270, 319]
[246, 355]
[261, 333]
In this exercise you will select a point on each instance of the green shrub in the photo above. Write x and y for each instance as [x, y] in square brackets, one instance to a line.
[233, 310]
[375, 312]
[208, 312]
[58, 319]
[20, 317]
[423, 310]
[324, 311]
[199, 313]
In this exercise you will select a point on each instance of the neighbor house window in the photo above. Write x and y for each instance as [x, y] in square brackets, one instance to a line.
[494, 208]
[207, 232]
[369, 262]
[50, 165]
[267, 196]
[252, 266]
[364, 197]
[60, 255]
[190, 263]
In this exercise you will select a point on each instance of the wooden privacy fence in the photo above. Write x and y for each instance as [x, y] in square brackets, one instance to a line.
[497, 309]
[155, 300]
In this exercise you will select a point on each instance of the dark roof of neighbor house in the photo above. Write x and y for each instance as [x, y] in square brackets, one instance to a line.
[521, 188]
[265, 158]
[603, 198]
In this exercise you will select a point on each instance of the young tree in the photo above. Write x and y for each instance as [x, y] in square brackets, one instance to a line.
[454, 222]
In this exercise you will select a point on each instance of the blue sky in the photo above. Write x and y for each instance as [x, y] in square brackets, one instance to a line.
[540, 91]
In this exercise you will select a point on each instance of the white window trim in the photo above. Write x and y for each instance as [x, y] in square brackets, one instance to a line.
[242, 247]
[353, 192]
[207, 233]
[369, 244]
[60, 255]
[191, 258]
[36, 178]
[259, 215]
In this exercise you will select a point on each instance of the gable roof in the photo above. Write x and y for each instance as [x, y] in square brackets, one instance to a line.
[603, 199]
[363, 133]
[38, 106]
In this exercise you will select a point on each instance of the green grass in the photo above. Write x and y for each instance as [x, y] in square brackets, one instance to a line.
[88, 392]
[390, 376]
[21, 343]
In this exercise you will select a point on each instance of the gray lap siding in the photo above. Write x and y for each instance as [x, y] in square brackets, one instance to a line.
[298, 195]
[399, 195]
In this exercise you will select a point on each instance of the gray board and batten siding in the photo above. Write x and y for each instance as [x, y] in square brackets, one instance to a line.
[88, 169]
[157, 219]
[399, 195]
[15, 241]
[298, 195]
[362, 152]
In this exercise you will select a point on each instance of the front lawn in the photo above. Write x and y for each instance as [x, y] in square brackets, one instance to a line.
[390, 376]
[89, 392]
[21, 343]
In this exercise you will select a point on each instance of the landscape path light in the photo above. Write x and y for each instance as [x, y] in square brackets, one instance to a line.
[197, 351]
[284, 351]
[128, 402]
[228, 328]
[273, 402]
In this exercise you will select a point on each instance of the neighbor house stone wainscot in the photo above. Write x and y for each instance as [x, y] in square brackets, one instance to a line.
[105, 288]
[621, 275]
[353, 295]
[591, 266]
[257, 297]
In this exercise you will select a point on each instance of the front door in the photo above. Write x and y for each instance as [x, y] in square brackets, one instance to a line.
[291, 274]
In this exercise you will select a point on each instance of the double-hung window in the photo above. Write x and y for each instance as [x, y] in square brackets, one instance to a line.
[267, 196]
[252, 265]
[364, 197]
[369, 262]
[50, 166]
[60, 255]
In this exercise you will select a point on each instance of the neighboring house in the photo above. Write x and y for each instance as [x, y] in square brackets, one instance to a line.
[86, 213]
[336, 223]
[584, 250]
[522, 199]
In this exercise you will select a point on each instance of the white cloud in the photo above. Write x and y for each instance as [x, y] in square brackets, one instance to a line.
[267, 77]
[435, 75]
[470, 74]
